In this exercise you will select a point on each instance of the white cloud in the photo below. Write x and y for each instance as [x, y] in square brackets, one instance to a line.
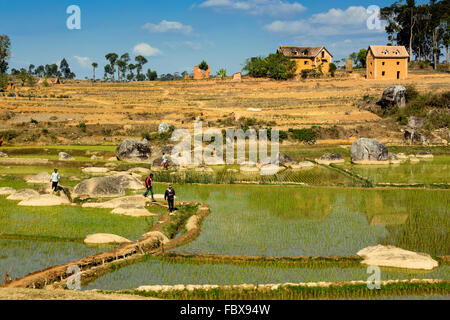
[335, 22]
[84, 62]
[257, 7]
[351, 16]
[146, 50]
[168, 26]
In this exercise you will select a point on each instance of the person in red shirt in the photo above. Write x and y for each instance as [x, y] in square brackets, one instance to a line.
[149, 186]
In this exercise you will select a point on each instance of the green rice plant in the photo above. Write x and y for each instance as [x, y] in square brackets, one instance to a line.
[66, 223]
[299, 221]
[166, 271]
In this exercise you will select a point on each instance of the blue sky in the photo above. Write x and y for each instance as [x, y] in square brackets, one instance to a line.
[174, 35]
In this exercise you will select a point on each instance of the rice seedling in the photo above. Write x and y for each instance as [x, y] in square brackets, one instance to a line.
[436, 171]
[66, 223]
[246, 220]
[167, 271]
[21, 257]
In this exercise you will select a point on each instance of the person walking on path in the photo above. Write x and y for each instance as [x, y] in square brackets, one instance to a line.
[169, 196]
[164, 161]
[55, 180]
[149, 186]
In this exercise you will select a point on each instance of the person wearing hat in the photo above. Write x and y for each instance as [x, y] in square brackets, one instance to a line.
[169, 196]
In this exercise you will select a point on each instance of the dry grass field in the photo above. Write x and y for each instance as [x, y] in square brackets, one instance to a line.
[128, 109]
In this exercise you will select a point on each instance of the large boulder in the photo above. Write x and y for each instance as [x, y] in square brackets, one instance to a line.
[45, 200]
[369, 150]
[65, 156]
[284, 159]
[100, 187]
[133, 150]
[104, 238]
[137, 201]
[411, 136]
[110, 186]
[23, 194]
[389, 256]
[394, 95]
[7, 191]
[43, 177]
[330, 158]
[163, 127]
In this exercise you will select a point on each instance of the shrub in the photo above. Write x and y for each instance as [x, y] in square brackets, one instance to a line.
[82, 126]
[34, 121]
[411, 92]
[333, 69]
[3, 82]
[304, 135]
[275, 66]
[8, 135]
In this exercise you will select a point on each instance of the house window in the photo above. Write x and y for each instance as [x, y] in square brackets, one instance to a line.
[306, 62]
[383, 73]
[398, 63]
[383, 63]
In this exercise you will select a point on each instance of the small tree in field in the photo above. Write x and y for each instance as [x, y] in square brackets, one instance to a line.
[203, 66]
[333, 68]
[222, 73]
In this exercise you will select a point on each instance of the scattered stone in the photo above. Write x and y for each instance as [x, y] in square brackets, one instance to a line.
[246, 168]
[163, 127]
[95, 170]
[43, 177]
[330, 158]
[415, 122]
[425, 155]
[414, 160]
[302, 165]
[284, 159]
[7, 191]
[94, 157]
[112, 159]
[369, 151]
[402, 156]
[65, 156]
[270, 170]
[23, 194]
[254, 109]
[411, 136]
[390, 256]
[157, 236]
[139, 170]
[394, 95]
[133, 210]
[3, 155]
[137, 201]
[44, 200]
[133, 150]
[104, 238]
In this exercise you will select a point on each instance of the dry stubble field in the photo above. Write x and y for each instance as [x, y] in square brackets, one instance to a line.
[128, 106]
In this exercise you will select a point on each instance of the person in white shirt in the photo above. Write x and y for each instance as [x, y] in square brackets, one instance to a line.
[55, 180]
[164, 161]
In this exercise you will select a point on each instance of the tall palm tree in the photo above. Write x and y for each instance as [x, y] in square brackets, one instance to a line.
[112, 58]
[94, 66]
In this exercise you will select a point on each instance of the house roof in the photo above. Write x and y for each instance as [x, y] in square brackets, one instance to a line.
[388, 51]
[302, 52]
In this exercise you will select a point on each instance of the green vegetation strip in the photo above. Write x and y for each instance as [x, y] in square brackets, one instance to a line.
[346, 291]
